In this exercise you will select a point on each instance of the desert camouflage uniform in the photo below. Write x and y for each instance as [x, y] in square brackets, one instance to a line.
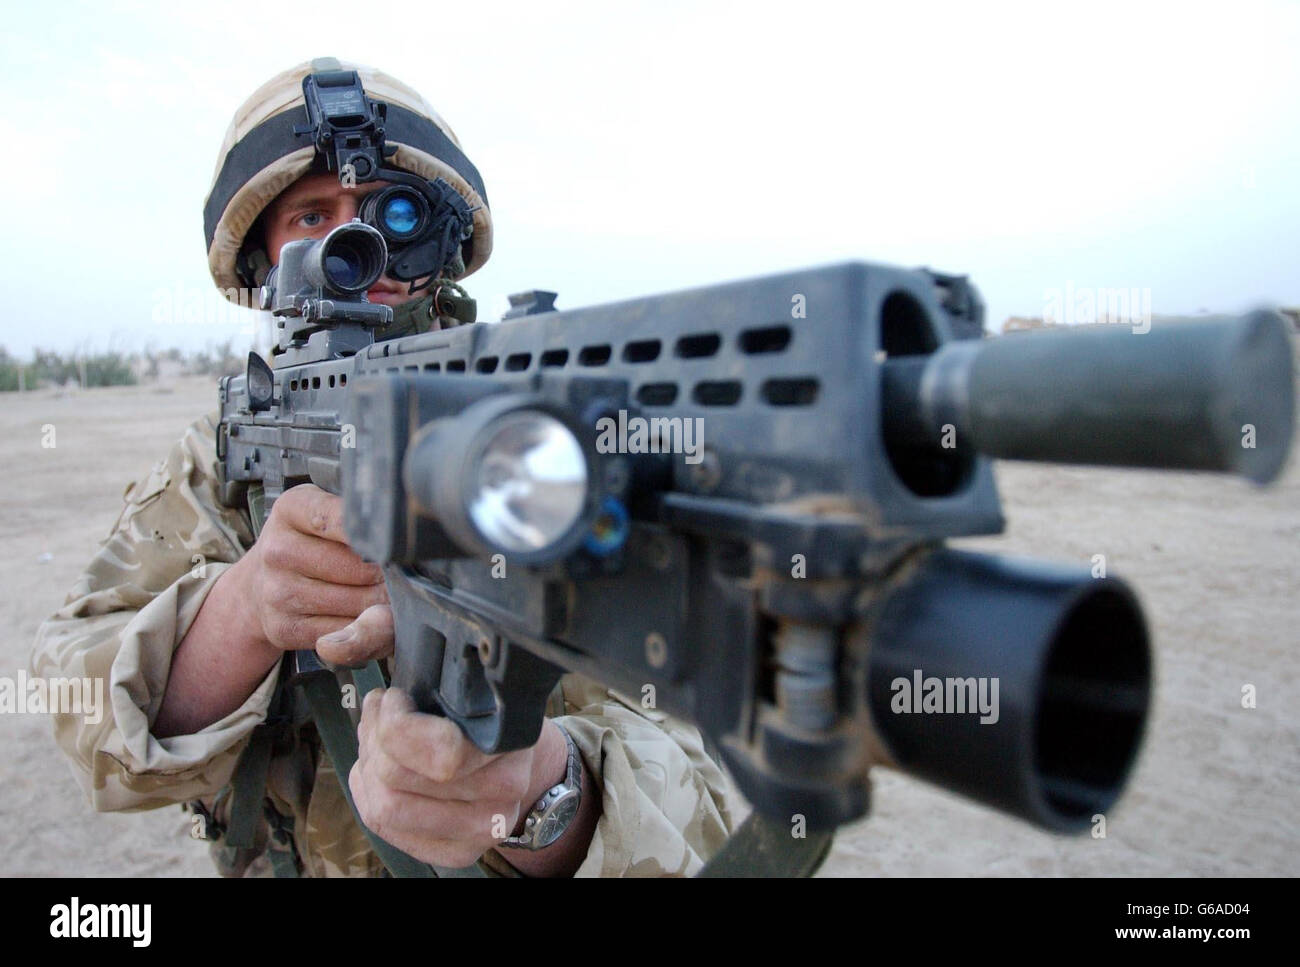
[664, 806]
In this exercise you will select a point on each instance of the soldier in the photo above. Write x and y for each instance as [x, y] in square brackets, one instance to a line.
[186, 616]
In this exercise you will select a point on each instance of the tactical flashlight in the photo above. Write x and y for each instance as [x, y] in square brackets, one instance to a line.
[509, 475]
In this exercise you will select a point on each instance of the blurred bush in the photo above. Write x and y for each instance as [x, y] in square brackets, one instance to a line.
[215, 360]
[46, 367]
[116, 369]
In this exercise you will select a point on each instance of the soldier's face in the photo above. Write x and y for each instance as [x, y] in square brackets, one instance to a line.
[313, 205]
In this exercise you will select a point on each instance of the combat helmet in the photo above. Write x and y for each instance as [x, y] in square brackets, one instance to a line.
[270, 144]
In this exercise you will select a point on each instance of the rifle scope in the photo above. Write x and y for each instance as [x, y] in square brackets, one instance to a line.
[349, 260]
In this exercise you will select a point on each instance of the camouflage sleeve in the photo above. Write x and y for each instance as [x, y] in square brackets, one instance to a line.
[122, 622]
[666, 806]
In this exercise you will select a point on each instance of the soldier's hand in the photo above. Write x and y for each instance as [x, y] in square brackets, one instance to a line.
[425, 788]
[306, 588]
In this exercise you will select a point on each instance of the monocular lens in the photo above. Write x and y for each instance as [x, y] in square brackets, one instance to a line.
[400, 215]
[399, 212]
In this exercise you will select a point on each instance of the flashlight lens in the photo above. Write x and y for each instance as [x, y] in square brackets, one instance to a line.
[400, 215]
[530, 485]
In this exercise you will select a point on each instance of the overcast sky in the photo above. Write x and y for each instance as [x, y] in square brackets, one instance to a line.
[630, 149]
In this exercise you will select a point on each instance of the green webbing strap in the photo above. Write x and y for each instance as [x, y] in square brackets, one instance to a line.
[279, 846]
[248, 788]
[282, 864]
[368, 676]
[340, 740]
[764, 848]
[248, 785]
[423, 315]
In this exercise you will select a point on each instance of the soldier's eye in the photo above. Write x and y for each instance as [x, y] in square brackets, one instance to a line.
[311, 219]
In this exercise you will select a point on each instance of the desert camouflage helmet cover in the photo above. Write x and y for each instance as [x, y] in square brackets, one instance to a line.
[260, 157]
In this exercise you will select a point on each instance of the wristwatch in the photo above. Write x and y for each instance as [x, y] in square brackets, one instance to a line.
[552, 814]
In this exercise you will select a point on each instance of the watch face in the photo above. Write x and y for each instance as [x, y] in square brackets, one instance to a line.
[556, 820]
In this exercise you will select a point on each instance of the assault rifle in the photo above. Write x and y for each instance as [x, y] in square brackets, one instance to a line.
[732, 501]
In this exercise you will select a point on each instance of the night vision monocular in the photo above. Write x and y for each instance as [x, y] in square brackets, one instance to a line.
[423, 223]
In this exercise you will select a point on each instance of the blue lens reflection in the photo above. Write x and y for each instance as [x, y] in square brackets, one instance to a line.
[400, 215]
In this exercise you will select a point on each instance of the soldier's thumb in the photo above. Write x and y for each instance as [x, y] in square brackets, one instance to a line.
[369, 637]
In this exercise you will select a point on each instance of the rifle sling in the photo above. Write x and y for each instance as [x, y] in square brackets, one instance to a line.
[248, 787]
[248, 784]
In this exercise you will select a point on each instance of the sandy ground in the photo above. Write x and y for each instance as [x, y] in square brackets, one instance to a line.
[1214, 561]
